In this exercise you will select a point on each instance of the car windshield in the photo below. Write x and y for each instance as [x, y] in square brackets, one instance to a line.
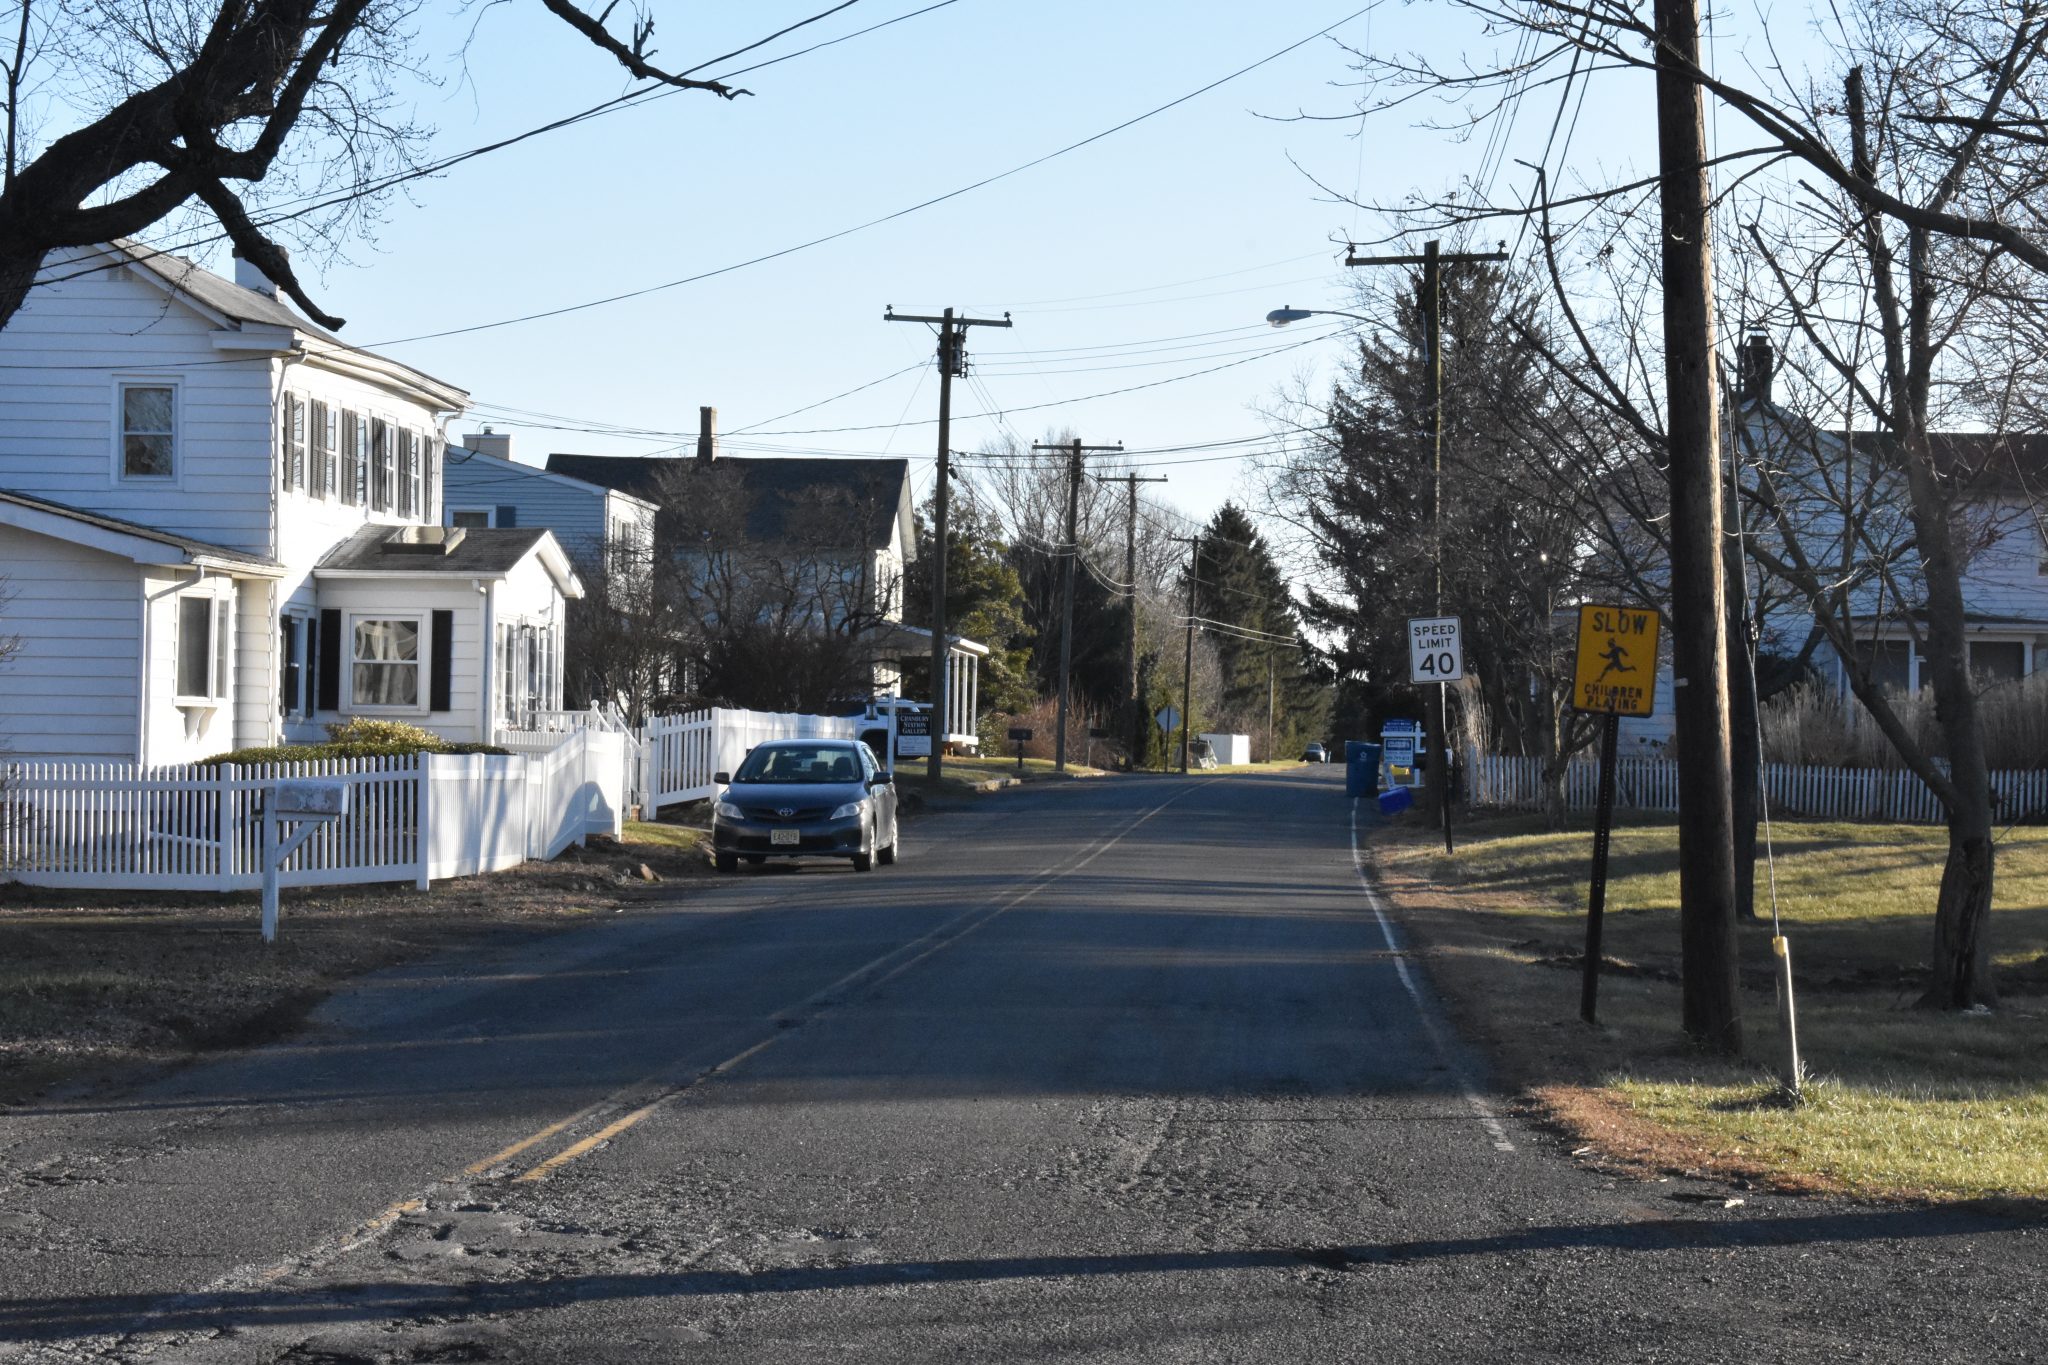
[791, 763]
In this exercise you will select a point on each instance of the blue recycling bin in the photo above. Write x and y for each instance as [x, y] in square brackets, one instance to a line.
[1394, 800]
[1361, 768]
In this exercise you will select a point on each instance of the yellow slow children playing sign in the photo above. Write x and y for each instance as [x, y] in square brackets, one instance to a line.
[1617, 661]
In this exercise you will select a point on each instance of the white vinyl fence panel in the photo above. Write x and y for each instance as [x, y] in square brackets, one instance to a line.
[193, 827]
[680, 753]
[1651, 784]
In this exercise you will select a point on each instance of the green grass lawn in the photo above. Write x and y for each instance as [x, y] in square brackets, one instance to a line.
[1904, 1101]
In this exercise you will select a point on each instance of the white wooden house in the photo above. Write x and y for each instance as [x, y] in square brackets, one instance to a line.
[219, 528]
[1828, 480]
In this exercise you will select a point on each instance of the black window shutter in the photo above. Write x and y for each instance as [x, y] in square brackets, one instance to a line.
[507, 516]
[441, 655]
[330, 661]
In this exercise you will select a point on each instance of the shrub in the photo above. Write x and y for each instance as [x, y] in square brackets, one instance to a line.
[310, 753]
[384, 734]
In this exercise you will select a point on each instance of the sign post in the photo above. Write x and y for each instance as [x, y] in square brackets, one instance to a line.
[1020, 734]
[1168, 717]
[1614, 675]
[305, 802]
[1436, 654]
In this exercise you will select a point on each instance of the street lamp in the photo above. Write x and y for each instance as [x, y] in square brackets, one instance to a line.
[1280, 317]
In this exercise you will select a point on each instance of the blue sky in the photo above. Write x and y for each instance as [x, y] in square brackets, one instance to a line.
[1143, 257]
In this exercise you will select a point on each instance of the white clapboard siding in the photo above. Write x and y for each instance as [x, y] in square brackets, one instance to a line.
[1651, 784]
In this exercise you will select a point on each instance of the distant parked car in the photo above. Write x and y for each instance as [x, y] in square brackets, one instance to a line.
[805, 798]
[1315, 753]
[1201, 754]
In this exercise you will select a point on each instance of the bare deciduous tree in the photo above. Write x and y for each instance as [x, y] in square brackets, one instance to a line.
[121, 113]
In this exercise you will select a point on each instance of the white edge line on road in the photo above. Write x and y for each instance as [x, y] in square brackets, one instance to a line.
[1487, 1119]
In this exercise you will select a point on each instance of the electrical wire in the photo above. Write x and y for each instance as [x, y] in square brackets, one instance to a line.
[982, 183]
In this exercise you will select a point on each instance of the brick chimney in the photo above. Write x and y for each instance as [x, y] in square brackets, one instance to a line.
[250, 277]
[497, 444]
[1754, 364]
[707, 435]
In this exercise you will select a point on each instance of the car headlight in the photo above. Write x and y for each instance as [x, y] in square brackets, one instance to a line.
[847, 811]
[729, 811]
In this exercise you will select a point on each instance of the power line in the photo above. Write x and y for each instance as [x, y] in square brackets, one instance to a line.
[983, 183]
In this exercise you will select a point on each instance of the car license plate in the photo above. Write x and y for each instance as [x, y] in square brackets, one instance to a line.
[785, 836]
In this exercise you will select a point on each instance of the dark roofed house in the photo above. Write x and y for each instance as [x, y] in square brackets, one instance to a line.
[853, 514]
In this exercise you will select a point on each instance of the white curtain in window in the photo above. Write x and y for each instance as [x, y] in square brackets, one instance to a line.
[387, 663]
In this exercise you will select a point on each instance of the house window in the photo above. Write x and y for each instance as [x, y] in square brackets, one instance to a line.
[356, 441]
[1890, 663]
[205, 630]
[385, 661]
[149, 431]
[1997, 661]
[383, 465]
[323, 443]
[408, 473]
[291, 667]
[475, 518]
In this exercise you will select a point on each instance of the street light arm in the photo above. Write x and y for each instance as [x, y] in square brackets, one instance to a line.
[1280, 317]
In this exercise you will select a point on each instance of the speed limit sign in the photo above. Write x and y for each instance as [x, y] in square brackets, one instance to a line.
[1434, 654]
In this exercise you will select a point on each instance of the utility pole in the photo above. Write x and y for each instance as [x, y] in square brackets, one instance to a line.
[1187, 685]
[1436, 775]
[1712, 1010]
[952, 364]
[1076, 453]
[1139, 720]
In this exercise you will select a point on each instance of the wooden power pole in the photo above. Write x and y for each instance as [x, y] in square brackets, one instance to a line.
[952, 364]
[1436, 774]
[1139, 720]
[1076, 453]
[1699, 643]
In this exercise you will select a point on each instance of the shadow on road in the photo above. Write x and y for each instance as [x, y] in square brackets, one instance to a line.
[55, 1318]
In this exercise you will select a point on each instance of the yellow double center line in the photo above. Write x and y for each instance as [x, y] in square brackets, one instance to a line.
[649, 1094]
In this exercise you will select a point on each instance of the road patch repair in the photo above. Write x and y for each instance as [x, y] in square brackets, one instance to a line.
[1906, 1103]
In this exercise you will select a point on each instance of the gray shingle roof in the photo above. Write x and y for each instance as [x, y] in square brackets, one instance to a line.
[773, 488]
[470, 552]
[185, 544]
[222, 295]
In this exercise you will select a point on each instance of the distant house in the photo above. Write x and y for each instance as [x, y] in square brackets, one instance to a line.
[842, 528]
[220, 527]
[2001, 522]
[597, 525]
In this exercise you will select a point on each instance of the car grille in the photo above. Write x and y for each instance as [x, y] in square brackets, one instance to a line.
[772, 815]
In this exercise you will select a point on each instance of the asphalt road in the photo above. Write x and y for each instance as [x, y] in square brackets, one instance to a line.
[1110, 1071]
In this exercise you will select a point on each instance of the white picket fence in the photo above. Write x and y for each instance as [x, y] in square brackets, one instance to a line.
[1651, 784]
[679, 754]
[418, 818]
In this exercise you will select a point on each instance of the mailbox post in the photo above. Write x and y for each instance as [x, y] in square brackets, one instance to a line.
[1022, 736]
[307, 803]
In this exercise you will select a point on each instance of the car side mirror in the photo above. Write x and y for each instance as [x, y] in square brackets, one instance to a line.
[882, 780]
[722, 779]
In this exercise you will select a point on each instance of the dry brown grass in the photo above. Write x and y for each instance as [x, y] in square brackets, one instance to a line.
[1908, 1103]
[100, 983]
